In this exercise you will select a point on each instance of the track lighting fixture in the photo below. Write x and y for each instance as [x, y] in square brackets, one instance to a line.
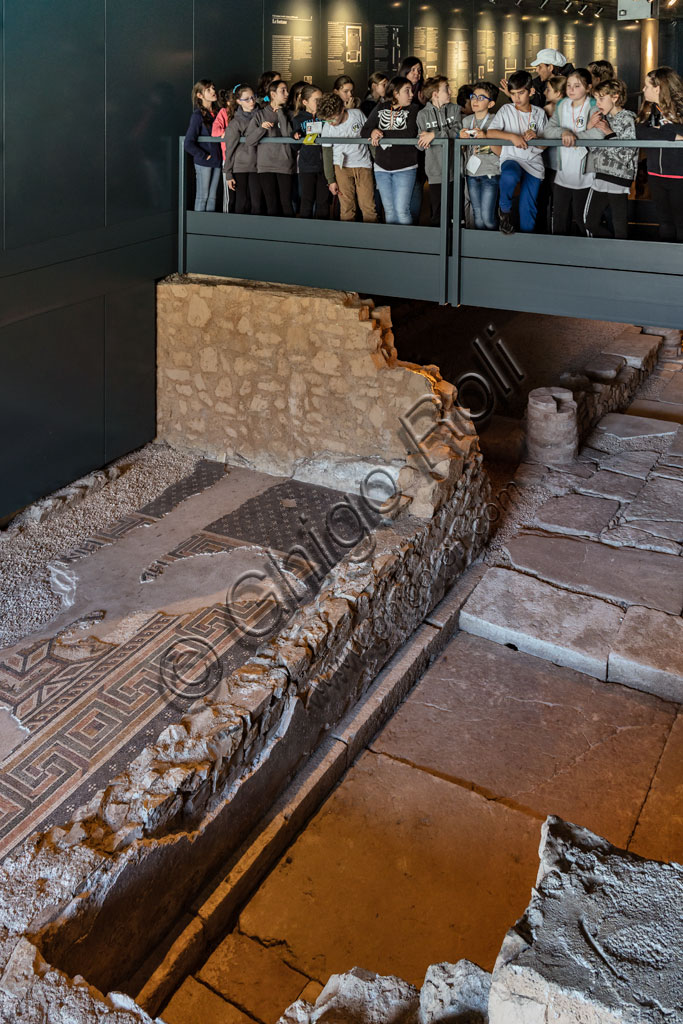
[567, 7]
[599, 11]
[543, 4]
[583, 9]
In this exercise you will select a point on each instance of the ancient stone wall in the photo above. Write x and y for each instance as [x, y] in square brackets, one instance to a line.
[299, 381]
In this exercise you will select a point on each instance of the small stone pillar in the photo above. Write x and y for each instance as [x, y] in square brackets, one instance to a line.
[552, 433]
[671, 346]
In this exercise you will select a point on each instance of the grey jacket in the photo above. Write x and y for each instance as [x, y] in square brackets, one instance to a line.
[240, 158]
[614, 163]
[445, 122]
[276, 159]
[489, 163]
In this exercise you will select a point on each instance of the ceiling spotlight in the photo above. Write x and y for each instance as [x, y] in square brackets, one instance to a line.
[583, 9]
[599, 11]
[567, 7]
[671, 3]
[518, 3]
[543, 4]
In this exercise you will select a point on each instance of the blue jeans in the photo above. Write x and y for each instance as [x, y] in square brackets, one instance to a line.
[207, 187]
[511, 174]
[484, 197]
[396, 190]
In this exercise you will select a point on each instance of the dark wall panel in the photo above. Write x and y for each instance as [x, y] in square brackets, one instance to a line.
[149, 68]
[51, 417]
[228, 42]
[129, 369]
[54, 85]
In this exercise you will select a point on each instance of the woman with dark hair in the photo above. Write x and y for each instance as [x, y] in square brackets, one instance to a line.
[207, 158]
[412, 69]
[661, 117]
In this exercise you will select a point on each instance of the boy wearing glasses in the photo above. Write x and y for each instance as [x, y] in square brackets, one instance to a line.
[439, 119]
[482, 166]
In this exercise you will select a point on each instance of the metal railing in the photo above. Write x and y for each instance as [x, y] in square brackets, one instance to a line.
[611, 279]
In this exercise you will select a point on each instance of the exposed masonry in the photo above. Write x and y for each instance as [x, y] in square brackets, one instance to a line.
[119, 875]
[303, 382]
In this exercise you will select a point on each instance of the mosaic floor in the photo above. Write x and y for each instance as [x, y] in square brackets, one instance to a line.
[90, 705]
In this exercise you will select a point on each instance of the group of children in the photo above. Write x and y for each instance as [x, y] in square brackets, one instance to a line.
[588, 186]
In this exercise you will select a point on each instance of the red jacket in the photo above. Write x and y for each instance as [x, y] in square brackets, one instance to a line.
[219, 126]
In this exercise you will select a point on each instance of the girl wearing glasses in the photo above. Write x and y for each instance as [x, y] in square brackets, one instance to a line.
[240, 160]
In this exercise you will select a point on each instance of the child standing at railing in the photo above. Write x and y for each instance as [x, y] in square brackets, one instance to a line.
[482, 163]
[312, 182]
[614, 168]
[662, 118]
[348, 168]
[239, 166]
[520, 164]
[275, 164]
[377, 87]
[207, 156]
[395, 166]
[555, 90]
[438, 119]
[573, 180]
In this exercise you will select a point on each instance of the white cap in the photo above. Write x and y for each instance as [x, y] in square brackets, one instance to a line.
[554, 57]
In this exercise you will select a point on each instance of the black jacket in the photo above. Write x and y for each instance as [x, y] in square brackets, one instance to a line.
[662, 161]
[394, 123]
[310, 157]
[203, 153]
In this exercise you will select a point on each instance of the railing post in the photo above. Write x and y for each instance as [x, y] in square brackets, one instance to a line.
[182, 206]
[444, 222]
[454, 276]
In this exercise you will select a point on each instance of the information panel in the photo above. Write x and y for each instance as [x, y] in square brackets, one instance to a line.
[291, 39]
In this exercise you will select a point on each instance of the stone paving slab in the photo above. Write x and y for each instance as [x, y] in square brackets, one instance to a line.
[670, 531]
[673, 412]
[546, 738]
[668, 472]
[673, 392]
[625, 575]
[254, 978]
[607, 484]
[659, 832]
[618, 432]
[576, 515]
[396, 851]
[636, 349]
[660, 500]
[648, 653]
[636, 464]
[194, 1002]
[676, 447]
[573, 630]
[630, 537]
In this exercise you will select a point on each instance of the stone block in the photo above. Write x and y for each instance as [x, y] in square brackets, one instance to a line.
[673, 391]
[637, 464]
[659, 832]
[604, 367]
[618, 432]
[630, 537]
[568, 629]
[647, 653]
[639, 350]
[576, 515]
[668, 472]
[668, 411]
[363, 997]
[600, 943]
[623, 575]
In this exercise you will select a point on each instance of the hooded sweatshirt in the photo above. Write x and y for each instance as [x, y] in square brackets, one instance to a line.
[615, 165]
[277, 159]
[394, 123]
[240, 158]
[445, 122]
[571, 160]
[488, 163]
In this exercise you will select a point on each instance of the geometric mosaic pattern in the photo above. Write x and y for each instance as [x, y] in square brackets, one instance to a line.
[91, 706]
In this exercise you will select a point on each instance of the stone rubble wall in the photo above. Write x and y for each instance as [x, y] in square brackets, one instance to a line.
[608, 382]
[117, 877]
[302, 382]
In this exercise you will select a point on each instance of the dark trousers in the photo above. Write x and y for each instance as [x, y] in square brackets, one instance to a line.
[668, 197]
[568, 207]
[597, 204]
[435, 203]
[247, 192]
[277, 190]
[313, 189]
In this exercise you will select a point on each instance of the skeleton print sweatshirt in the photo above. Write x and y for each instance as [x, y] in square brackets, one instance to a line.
[394, 123]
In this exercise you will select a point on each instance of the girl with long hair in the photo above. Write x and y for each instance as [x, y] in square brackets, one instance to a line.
[239, 167]
[206, 156]
[412, 69]
[377, 87]
[275, 165]
[312, 181]
[395, 166]
[661, 117]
